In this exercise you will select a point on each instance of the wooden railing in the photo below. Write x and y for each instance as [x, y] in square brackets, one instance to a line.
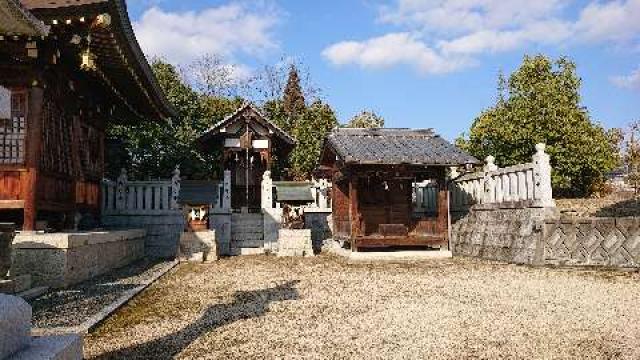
[140, 197]
[528, 183]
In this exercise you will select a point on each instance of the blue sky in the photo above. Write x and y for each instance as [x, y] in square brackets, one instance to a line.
[418, 63]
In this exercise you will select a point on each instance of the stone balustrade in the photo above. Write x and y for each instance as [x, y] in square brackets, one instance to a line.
[524, 184]
[140, 197]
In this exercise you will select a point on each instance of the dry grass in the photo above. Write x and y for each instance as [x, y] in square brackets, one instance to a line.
[274, 308]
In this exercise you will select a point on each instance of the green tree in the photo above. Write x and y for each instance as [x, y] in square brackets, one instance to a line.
[293, 98]
[153, 149]
[366, 119]
[631, 156]
[541, 103]
[316, 122]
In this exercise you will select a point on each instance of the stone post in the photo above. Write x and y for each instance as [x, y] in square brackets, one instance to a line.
[489, 183]
[175, 188]
[322, 188]
[226, 193]
[542, 177]
[121, 190]
[267, 190]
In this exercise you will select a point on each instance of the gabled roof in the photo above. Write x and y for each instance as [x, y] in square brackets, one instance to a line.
[216, 129]
[16, 20]
[121, 64]
[395, 147]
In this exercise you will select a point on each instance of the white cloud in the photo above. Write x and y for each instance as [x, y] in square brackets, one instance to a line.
[610, 21]
[630, 81]
[446, 33]
[389, 50]
[225, 30]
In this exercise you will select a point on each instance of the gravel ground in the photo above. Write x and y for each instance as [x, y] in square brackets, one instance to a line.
[74, 305]
[323, 308]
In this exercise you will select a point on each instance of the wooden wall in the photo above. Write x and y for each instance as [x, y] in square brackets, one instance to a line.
[341, 219]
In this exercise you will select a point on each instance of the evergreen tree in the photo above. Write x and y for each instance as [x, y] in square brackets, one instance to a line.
[366, 119]
[293, 98]
[541, 104]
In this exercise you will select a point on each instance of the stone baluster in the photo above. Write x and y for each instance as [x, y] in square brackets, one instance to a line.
[542, 177]
[226, 198]
[489, 182]
[121, 190]
[175, 188]
[267, 190]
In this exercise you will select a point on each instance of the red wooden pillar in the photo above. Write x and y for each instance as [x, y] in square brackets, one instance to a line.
[35, 103]
[354, 212]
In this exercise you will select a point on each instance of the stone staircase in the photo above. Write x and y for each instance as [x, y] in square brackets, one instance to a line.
[247, 234]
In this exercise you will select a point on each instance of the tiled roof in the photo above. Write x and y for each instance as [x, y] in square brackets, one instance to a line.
[247, 106]
[395, 146]
[118, 53]
[16, 20]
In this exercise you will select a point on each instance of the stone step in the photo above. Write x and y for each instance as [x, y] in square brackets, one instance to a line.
[235, 251]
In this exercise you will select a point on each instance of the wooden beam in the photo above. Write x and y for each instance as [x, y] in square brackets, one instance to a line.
[11, 204]
[354, 212]
[35, 101]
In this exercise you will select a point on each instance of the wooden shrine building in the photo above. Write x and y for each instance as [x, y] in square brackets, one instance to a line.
[374, 172]
[67, 70]
[249, 142]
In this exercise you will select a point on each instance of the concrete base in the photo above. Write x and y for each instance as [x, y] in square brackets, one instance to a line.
[68, 347]
[246, 251]
[16, 341]
[399, 256]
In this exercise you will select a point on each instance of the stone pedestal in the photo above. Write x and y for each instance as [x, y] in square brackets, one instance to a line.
[16, 342]
[295, 242]
[199, 246]
[15, 325]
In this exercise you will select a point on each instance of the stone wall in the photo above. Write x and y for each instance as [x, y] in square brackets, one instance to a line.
[503, 234]
[163, 230]
[538, 236]
[295, 242]
[596, 241]
[62, 259]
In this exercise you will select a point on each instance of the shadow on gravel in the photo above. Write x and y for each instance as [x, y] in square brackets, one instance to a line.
[629, 207]
[246, 305]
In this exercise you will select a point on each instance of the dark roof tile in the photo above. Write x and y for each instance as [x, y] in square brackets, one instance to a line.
[396, 146]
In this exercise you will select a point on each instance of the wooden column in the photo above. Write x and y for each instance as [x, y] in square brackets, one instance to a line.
[354, 211]
[35, 103]
[443, 208]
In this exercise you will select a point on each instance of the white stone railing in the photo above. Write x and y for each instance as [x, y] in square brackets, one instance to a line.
[528, 184]
[140, 197]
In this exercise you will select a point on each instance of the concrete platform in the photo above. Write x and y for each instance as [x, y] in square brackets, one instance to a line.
[399, 256]
[67, 347]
